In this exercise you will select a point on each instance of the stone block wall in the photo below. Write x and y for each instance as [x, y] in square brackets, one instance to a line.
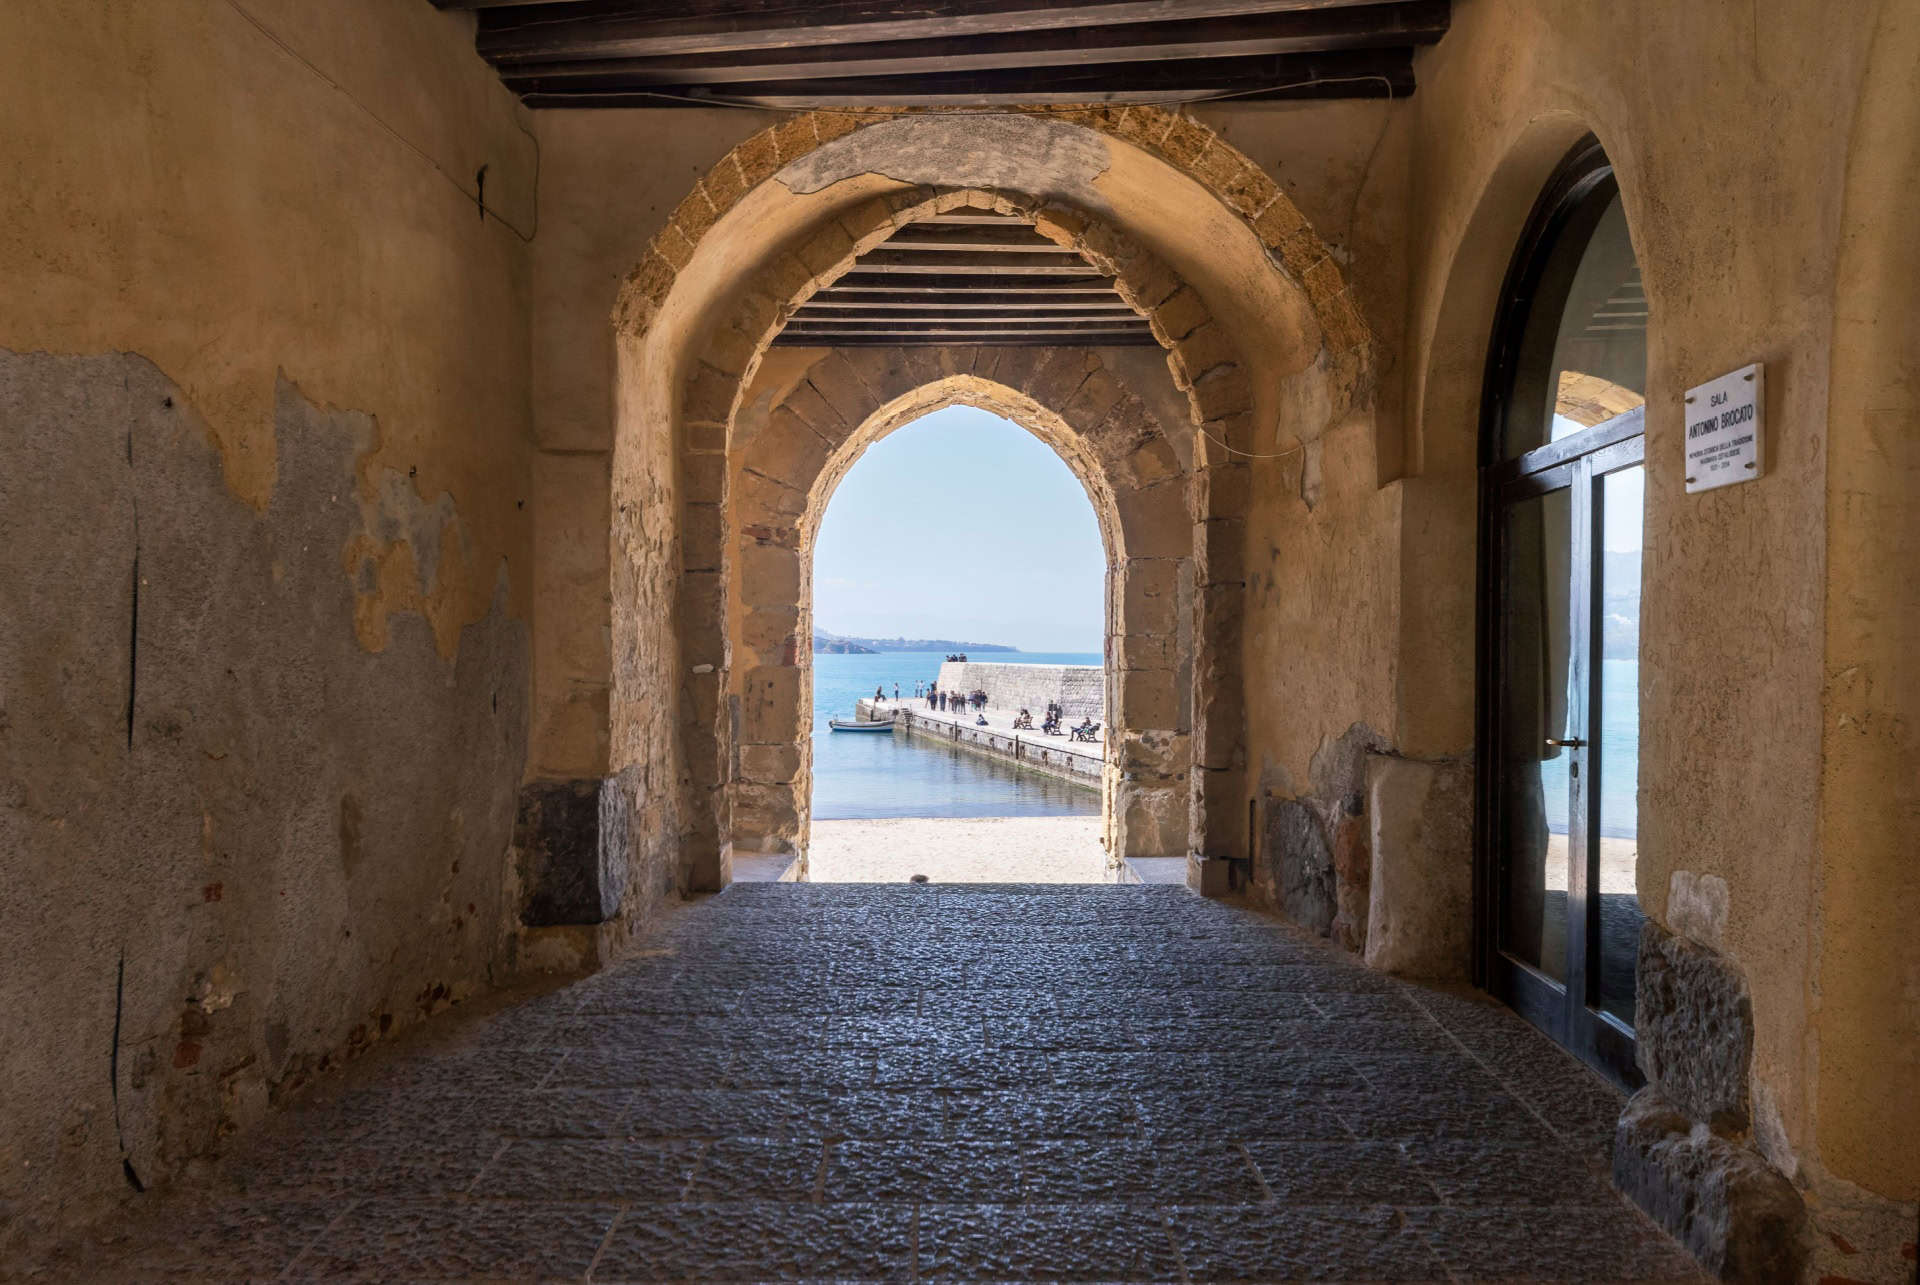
[1684, 1149]
[1081, 690]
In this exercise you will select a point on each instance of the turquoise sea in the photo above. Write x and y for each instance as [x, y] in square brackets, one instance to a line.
[1617, 732]
[860, 776]
[897, 776]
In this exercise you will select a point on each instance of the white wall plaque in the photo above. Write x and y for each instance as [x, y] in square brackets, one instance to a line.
[1725, 424]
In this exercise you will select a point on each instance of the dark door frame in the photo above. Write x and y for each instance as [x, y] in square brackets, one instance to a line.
[1570, 1013]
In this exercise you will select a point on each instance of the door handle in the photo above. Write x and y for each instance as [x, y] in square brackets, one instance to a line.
[1571, 743]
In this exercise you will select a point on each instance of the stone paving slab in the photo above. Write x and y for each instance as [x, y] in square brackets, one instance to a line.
[881, 1083]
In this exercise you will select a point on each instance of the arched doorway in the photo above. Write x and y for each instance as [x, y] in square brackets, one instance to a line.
[958, 578]
[1137, 484]
[769, 229]
[1563, 499]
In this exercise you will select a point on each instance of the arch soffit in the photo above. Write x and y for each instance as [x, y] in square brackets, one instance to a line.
[1293, 249]
[1203, 359]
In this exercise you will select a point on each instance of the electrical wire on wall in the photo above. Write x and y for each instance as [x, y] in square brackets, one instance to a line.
[476, 193]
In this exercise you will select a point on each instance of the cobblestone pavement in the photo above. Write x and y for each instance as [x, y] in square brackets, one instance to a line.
[937, 1083]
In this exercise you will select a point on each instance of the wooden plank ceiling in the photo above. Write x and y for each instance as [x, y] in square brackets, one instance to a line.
[966, 277]
[804, 54]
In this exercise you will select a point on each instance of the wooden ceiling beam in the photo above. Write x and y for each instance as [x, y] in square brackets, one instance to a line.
[973, 220]
[942, 330]
[876, 306]
[1007, 339]
[1370, 73]
[784, 340]
[1016, 238]
[942, 316]
[859, 280]
[971, 263]
[981, 302]
[624, 28]
[979, 323]
[1375, 25]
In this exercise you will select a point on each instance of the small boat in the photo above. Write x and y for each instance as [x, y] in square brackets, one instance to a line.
[861, 725]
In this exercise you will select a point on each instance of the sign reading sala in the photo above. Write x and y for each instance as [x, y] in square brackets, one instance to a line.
[1725, 418]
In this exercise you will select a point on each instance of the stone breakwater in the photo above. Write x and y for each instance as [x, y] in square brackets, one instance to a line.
[1081, 690]
[1076, 761]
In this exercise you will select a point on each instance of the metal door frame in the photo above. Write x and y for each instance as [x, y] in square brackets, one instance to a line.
[1569, 1013]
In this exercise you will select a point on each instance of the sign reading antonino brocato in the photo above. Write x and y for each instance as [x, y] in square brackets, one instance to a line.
[1725, 418]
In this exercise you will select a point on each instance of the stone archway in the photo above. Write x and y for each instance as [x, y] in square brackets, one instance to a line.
[1185, 144]
[793, 455]
[694, 324]
[1202, 362]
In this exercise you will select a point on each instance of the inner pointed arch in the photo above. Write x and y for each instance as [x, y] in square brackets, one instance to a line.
[980, 393]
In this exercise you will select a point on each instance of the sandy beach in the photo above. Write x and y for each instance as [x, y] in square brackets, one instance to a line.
[971, 850]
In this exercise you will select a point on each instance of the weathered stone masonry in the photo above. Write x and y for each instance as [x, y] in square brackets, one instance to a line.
[1012, 685]
[794, 454]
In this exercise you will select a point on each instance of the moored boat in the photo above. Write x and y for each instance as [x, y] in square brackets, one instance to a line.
[859, 725]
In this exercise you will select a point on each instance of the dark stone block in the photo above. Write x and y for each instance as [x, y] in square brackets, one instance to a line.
[572, 838]
[1352, 874]
[1296, 845]
[1695, 1028]
[1739, 1216]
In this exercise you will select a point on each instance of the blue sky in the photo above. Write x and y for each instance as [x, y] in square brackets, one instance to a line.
[962, 525]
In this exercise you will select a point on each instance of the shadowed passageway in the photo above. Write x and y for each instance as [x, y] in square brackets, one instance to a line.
[985, 1082]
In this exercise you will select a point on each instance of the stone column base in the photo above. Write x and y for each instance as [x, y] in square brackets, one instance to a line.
[571, 841]
[1733, 1210]
[1215, 876]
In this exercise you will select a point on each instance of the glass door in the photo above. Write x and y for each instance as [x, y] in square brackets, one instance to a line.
[1562, 503]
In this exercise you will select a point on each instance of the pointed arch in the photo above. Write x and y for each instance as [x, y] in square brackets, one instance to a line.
[787, 214]
[803, 445]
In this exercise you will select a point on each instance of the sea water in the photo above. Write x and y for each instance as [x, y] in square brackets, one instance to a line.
[1618, 734]
[864, 774]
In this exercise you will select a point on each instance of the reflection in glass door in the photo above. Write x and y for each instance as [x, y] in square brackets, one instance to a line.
[1563, 501]
[1616, 732]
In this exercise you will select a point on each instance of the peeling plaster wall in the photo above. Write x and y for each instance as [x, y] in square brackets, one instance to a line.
[263, 665]
[1731, 127]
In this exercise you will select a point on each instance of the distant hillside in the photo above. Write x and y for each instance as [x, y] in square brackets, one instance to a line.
[823, 641]
[840, 647]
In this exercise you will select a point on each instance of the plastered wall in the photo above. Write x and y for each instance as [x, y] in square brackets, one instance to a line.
[264, 404]
[609, 180]
[1735, 133]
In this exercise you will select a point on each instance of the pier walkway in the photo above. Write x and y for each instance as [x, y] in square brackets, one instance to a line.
[1060, 756]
